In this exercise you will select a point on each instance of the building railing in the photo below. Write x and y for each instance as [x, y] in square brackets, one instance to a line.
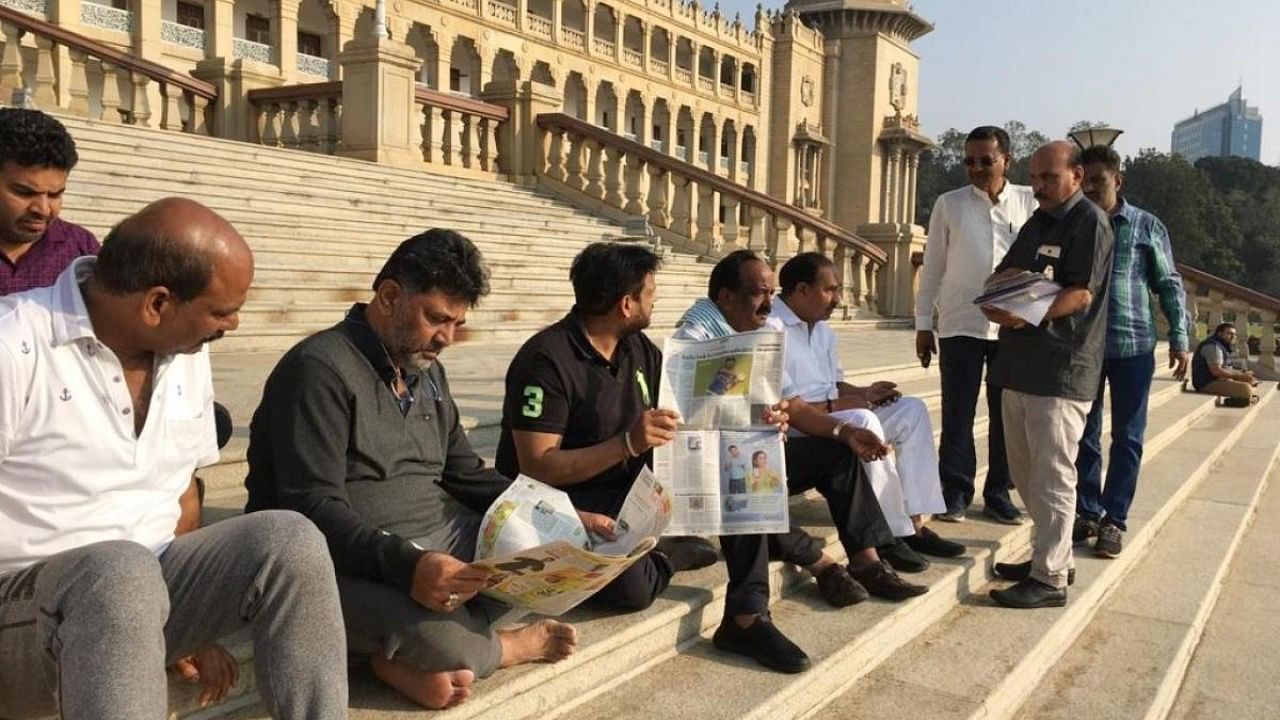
[502, 12]
[538, 24]
[39, 8]
[249, 50]
[106, 17]
[314, 66]
[460, 131]
[456, 131]
[625, 179]
[573, 38]
[1214, 298]
[602, 46]
[184, 100]
[182, 35]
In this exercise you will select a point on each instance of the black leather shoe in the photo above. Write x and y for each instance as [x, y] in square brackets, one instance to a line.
[880, 580]
[1021, 571]
[929, 542]
[762, 642]
[838, 588]
[902, 557]
[1030, 593]
[687, 553]
[1083, 529]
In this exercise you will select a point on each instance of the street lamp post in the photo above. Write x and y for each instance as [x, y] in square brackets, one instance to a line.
[1088, 137]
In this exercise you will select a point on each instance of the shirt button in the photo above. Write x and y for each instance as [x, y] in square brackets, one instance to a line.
[125, 411]
[115, 379]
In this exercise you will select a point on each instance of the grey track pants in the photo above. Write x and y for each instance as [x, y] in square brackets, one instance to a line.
[88, 632]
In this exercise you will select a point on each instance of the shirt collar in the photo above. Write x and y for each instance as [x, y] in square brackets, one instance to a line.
[1000, 196]
[1066, 207]
[1126, 212]
[785, 314]
[370, 345]
[71, 316]
[581, 344]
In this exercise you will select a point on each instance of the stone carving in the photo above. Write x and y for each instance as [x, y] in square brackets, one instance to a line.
[33, 7]
[312, 65]
[806, 91]
[898, 86]
[250, 50]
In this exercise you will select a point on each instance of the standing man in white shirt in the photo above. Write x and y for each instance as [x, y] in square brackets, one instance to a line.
[106, 409]
[969, 232]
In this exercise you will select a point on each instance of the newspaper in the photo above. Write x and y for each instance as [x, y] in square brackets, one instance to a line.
[1027, 295]
[542, 558]
[725, 470]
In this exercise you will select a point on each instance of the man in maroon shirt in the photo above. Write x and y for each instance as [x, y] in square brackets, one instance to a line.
[36, 155]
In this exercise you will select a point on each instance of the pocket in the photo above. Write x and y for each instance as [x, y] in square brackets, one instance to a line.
[186, 440]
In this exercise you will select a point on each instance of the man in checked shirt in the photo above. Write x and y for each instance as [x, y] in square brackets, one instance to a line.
[1142, 265]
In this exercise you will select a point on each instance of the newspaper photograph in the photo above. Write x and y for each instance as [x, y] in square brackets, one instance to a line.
[725, 482]
[723, 384]
[540, 556]
[725, 470]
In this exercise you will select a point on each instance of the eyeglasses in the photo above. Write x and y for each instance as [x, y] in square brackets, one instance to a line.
[983, 161]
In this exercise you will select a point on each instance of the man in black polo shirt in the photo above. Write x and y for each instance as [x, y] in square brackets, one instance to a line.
[357, 431]
[579, 414]
[1050, 373]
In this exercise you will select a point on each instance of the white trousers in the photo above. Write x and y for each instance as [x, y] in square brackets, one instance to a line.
[906, 483]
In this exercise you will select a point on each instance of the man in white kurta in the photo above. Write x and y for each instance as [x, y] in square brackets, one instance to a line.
[906, 483]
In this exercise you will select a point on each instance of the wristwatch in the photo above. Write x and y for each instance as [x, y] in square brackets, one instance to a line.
[835, 431]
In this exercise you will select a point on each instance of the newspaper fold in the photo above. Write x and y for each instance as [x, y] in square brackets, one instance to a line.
[1027, 295]
[725, 470]
[541, 557]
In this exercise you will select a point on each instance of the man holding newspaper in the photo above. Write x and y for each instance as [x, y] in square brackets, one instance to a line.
[1050, 362]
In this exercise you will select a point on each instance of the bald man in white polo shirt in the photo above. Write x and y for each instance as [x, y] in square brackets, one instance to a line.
[106, 410]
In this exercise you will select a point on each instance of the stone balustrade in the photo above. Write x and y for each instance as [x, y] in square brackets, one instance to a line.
[456, 132]
[1213, 300]
[693, 208]
[100, 82]
[300, 117]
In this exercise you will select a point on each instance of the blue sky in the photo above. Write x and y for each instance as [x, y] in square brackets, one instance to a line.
[1140, 65]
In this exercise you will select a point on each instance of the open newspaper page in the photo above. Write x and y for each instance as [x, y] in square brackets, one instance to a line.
[725, 469]
[542, 558]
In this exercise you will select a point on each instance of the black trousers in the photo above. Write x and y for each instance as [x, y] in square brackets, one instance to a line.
[961, 360]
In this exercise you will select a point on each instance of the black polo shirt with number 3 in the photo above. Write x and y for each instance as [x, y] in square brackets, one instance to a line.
[559, 384]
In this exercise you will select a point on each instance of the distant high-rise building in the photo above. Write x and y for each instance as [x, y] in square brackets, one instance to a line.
[1230, 129]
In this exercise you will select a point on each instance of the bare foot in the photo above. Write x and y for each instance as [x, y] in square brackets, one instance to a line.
[542, 641]
[432, 690]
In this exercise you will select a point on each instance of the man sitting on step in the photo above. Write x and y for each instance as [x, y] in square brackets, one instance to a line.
[106, 409]
[580, 414]
[908, 486]
[581, 409]
[357, 430]
[824, 455]
[1213, 370]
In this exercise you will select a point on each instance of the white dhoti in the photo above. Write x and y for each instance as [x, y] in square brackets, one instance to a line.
[906, 483]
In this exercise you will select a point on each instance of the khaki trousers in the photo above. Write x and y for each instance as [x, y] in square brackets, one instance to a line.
[1229, 388]
[1042, 436]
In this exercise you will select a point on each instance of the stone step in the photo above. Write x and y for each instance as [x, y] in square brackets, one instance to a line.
[697, 681]
[980, 660]
[615, 647]
[1132, 658]
[1232, 673]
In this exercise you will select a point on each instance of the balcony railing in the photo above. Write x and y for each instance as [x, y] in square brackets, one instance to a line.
[658, 145]
[538, 25]
[573, 38]
[250, 50]
[502, 12]
[106, 17]
[632, 57]
[603, 47]
[314, 66]
[39, 8]
[182, 35]
[705, 84]
[660, 66]
[684, 75]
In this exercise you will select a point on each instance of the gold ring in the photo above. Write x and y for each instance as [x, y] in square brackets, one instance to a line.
[453, 599]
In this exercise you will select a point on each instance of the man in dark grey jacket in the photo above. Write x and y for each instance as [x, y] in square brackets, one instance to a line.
[357, 431]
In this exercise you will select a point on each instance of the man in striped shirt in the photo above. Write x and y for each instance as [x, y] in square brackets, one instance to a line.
[1143, 264]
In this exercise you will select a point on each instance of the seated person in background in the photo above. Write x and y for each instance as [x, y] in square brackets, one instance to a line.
[824, 455]
[1212, 372]
[580, 414]
[36, 156]
[106, 409]
[906, 483]
[357, 431]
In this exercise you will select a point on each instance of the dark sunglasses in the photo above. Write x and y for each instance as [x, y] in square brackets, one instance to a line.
[983, 161]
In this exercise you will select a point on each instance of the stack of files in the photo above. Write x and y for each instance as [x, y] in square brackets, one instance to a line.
[1027, 295]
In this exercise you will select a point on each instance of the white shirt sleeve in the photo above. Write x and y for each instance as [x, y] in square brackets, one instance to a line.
[12, 399]
[935, 263]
